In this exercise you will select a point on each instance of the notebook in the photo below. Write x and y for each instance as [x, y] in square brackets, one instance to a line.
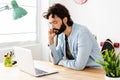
[26, 64]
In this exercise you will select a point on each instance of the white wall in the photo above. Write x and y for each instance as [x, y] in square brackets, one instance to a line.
[44, 30]
[102, 17]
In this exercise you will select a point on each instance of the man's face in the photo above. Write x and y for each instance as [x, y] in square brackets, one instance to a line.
[57, 24]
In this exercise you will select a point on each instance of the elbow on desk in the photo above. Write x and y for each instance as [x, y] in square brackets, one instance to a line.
[78, 68]
[55, 62]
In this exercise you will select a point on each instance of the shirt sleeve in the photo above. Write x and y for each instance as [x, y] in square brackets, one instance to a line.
[84, 49]
[56, 53]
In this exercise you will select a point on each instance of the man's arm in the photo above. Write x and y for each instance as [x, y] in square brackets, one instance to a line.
[56, 52]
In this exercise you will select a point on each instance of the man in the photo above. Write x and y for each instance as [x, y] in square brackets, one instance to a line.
[76, 47]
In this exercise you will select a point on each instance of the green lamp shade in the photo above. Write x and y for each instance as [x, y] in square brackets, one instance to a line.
[18, 11]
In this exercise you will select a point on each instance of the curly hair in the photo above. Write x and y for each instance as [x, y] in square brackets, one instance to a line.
[60, 11]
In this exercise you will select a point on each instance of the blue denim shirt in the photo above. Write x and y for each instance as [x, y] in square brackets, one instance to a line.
[83, 46]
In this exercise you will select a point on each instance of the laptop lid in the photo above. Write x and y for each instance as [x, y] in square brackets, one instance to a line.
[26, 63]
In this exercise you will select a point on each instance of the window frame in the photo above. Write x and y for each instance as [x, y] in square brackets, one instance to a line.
[38, 29]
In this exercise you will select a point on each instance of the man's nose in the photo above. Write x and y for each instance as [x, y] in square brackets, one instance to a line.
[52, 26]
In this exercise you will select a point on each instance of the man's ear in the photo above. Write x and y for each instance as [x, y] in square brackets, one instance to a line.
[65, 19]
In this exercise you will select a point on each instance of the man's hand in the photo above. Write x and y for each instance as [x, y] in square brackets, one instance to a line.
[51, 35]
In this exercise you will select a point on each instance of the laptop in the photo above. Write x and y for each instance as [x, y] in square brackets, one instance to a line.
[26, 64]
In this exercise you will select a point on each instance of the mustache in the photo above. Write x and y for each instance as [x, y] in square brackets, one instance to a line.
[55, 29]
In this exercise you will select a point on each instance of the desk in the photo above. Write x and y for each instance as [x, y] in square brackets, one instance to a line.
[13, 73]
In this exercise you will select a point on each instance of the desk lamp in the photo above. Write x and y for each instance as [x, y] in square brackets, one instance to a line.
[18, 11]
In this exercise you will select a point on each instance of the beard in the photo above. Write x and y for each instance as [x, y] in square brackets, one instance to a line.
[59, 31]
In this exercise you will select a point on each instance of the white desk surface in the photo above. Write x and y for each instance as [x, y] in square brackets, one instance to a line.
[13, 73]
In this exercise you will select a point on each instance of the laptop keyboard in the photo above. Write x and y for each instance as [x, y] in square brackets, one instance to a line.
[38, 71]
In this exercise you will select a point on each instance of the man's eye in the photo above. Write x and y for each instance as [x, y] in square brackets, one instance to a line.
[55, 22]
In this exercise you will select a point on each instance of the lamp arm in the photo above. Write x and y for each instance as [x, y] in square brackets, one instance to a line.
[4, 8]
